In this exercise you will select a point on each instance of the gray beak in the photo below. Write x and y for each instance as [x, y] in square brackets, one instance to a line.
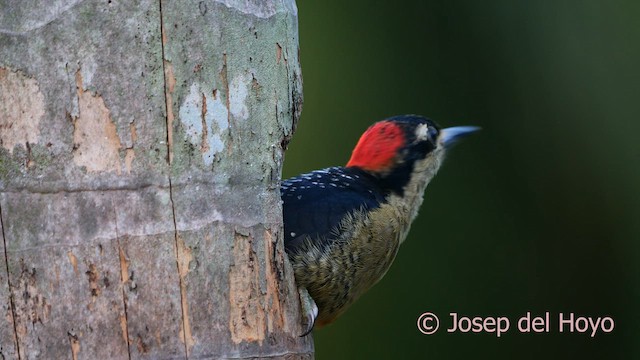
[451, 135]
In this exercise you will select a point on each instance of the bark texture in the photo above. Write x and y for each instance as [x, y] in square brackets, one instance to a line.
[141, 145]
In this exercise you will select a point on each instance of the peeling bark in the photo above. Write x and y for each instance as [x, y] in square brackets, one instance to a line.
[140, 152]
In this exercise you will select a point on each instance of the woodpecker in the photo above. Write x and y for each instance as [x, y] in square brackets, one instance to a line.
[343, 225]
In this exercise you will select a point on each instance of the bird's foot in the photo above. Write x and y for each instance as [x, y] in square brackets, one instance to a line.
[309, 310]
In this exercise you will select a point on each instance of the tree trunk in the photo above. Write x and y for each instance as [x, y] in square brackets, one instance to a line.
[141, 145]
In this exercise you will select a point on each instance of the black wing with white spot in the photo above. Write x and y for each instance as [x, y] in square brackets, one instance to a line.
[315, 203]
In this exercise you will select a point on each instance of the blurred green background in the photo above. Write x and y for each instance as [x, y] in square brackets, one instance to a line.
[538, 212]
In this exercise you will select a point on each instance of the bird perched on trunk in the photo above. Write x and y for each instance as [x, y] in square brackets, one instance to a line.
[343, 225]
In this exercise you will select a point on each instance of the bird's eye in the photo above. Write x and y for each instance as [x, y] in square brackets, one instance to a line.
[433, 133]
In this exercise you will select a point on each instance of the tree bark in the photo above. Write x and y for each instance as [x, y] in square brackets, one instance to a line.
[141, 145]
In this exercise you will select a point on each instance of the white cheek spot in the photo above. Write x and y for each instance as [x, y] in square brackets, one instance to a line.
[422, 132]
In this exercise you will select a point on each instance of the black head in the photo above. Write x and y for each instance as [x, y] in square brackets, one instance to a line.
[395, 149]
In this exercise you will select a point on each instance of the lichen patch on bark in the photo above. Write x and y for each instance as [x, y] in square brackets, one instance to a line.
[262, 9]
[205, 119]
[238, 92]
[95, 137]
[21, 109]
